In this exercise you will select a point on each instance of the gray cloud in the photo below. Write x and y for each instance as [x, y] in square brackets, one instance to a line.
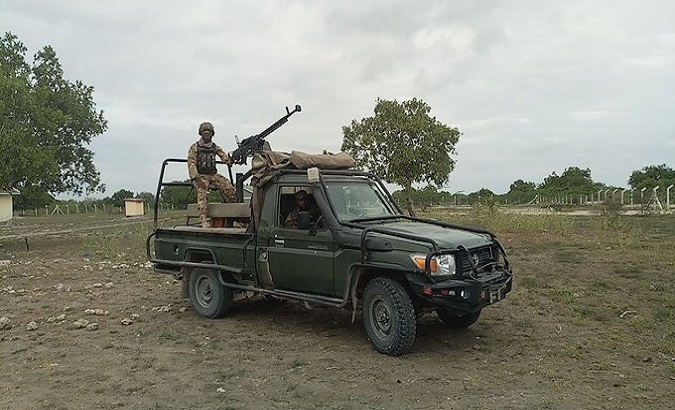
[535, 87]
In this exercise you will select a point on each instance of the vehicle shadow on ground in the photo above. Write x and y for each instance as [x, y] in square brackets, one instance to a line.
[292, 317]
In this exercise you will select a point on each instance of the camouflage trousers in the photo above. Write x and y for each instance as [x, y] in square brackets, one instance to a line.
[217, 182]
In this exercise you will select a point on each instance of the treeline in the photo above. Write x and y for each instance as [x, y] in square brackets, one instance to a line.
[574, 186]
[32, 199]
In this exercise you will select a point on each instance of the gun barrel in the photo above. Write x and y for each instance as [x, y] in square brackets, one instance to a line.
[254, 143]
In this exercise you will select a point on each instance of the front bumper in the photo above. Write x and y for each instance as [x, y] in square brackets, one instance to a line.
[466, 295]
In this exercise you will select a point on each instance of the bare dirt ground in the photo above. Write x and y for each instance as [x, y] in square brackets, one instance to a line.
[590, 324]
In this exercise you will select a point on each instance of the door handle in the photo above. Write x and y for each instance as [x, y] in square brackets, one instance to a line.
[279, 242]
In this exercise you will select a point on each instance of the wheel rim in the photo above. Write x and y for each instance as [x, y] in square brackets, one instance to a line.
[380, 316]
[204, 291]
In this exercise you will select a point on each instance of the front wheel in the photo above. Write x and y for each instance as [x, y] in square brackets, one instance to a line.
[455, 320]
[389, 316]
[209, 298]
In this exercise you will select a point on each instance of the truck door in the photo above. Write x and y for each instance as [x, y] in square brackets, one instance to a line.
[299, 258]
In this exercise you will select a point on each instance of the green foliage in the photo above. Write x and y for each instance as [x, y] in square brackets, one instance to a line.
[147, 196]
[117, 199]
[32, 197]
[652, 176]
[574, 181]
[178, 196]
[521, 192]
[46, 122]
[402, 144]
[181, 196]
[482, 196]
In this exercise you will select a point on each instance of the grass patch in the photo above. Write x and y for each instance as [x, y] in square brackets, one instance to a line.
[569, 256]
[628, 271]
[531, 282]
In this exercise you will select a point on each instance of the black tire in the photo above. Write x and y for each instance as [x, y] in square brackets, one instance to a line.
[389, 316]
[457, 320]
[208, 297]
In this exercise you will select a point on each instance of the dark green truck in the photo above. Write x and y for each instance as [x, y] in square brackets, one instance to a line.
[354, 249]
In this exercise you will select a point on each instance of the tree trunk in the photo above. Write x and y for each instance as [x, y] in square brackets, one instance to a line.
[408, 200]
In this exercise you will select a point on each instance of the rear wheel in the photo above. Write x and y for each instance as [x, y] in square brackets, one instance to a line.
[208, 297]
[457, 320]
[389, 316]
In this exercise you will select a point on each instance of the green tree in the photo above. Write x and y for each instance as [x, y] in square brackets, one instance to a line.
[178, 196]
[46, 124]
[402, 144]
[147, 197]
[574, 181]
[481, 196]
[521, 191]
[117, 199]
[652, 176]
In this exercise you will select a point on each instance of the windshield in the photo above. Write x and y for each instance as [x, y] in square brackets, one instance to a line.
[359, 200]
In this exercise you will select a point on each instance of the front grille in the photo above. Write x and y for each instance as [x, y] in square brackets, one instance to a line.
[481, 257]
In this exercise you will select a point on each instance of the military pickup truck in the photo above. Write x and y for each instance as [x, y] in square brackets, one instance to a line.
[353, 248]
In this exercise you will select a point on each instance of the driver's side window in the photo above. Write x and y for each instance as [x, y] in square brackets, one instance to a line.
[297, 207]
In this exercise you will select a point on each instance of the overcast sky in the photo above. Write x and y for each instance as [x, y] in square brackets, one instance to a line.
[534, 86]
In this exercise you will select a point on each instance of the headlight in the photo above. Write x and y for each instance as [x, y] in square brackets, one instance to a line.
[443, 265]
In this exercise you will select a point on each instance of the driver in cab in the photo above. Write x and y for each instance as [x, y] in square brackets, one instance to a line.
[301, 206]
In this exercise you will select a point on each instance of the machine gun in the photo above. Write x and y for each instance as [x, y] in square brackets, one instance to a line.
[255, 143]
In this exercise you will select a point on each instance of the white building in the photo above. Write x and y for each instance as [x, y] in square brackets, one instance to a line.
[134, 207]
[7, 204]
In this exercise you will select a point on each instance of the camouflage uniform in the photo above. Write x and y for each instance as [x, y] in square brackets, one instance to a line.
[293, 219]
[202, 167]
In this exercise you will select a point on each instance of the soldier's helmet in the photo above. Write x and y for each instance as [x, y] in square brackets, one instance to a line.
[206, 126]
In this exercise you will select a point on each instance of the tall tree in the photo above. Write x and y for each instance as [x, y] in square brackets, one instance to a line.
[46, 124]
[117, 199]
[521, 191]
[147, 197]
[652, 176]
[574, 181]
[403, 145]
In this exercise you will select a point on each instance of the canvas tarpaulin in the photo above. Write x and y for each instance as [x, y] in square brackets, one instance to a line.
[267, 164]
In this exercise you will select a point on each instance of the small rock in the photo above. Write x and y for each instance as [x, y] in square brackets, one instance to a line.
[5, 262]
[109, 285]
[126, 321]
[92, 327]
[5, 323]
[182, 310]
[97, 285]
[88, 311]
[79, 324]
[61, 317]
[221, 390]
[135, 316]
[101, 312]
[60, 287]
[32, 325]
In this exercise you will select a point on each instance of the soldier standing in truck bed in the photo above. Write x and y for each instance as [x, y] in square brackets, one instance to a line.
[203, 174]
